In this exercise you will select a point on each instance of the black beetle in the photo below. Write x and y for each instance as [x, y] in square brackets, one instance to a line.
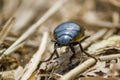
[69, 34]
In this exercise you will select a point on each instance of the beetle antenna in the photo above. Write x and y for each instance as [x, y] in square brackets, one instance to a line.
[53, 40]
[54, 52]
[84, 39]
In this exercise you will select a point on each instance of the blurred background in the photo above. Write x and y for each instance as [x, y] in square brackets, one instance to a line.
[94, 15]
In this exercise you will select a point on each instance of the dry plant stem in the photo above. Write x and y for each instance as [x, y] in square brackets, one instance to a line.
[32, 65]
[6, 29]
[28, 43]
[115, 17]
[29, 11]
[82, 67]
[109, 33]
[109, 57]
[7, 75]
[9, 7]
[31, 30]
[10, 74]
[15, 48]
[104, 24]
[77, 70]
[94, 37]
[115, 2]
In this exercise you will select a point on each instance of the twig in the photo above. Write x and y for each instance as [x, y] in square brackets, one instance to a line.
[11, 74]
[31, 30]
[82, 67]
[15, 48]
[91, 18]
[27, 43]
[110, 33]
[94, 37]
[77, 70]
[29, 12]
[114, 2]
[106, 24]
[9, 8]
[115, 17]
[32, 65]
[105, 45]
[109, 57]
[7, 75]
[6, 28]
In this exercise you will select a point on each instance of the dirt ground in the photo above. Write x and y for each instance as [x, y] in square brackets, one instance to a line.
[26, 40]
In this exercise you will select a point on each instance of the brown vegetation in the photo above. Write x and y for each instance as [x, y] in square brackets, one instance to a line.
[26, 28]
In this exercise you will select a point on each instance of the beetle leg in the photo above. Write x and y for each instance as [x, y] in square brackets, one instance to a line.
[73, 50]
[55, 50]
[48, 58]
[86, 52]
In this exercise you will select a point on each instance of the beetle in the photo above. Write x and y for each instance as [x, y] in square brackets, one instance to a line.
[69, 34]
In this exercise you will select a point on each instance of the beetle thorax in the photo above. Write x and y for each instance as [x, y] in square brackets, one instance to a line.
[64, 40]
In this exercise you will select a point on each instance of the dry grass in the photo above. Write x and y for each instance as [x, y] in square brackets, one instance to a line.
[26, 34]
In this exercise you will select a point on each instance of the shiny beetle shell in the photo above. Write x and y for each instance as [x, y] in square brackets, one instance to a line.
[68, 32]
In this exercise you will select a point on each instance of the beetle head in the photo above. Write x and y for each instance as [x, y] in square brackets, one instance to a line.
[64, 40]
